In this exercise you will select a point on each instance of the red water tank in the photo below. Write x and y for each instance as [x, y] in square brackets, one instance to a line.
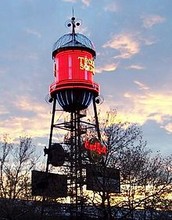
[74, 69]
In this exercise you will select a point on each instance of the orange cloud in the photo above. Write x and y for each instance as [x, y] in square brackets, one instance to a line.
[150, 105]
[107, 67]
[136, 108]
[125, 44]
[19, 126]
[33, 120]
[26, 103]
[168, 127]
[142, 106]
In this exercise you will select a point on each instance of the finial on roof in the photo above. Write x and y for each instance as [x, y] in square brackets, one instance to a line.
[73, 23]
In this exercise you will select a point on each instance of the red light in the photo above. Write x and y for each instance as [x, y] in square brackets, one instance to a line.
[95, 145]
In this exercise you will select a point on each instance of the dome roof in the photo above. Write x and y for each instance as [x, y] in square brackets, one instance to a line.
[73, 40]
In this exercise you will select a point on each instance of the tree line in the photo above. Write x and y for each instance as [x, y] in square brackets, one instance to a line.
[145, 177]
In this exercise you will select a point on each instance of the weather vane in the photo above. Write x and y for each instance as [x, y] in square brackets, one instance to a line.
[73, 23]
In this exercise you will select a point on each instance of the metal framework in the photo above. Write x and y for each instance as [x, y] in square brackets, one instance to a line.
[76, 157]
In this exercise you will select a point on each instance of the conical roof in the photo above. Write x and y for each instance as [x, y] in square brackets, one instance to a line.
[73, 40]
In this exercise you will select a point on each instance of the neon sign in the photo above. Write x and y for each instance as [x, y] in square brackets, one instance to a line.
[87, 64]
[94, 145]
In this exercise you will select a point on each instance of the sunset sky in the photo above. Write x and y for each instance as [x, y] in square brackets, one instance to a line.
[133, 41]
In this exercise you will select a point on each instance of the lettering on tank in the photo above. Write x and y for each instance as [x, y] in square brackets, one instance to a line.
[87, 64]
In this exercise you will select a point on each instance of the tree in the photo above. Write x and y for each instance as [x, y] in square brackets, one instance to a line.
[16, 163]
[146, 179]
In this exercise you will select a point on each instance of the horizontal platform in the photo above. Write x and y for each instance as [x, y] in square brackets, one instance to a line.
[72, 84]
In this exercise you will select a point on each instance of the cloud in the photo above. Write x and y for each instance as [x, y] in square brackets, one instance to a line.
[33, 32]
[150, 106]
[86, 2]
[107, 67]
[25, 116]
[136, 67]
[141, 85]
[72, 1]
[167, 123]
[25, 103]
[3, 110]
[125, 44]
[145, 105]
[111, 7]
[168, 127]
[151, 20]
[20, 126]
[149, 41]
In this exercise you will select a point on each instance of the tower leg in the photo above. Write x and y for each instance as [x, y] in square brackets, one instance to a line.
[51, 131]
[96, 119]
[49, 146]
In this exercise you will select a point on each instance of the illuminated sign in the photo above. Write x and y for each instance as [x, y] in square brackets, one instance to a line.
[94, 145]
[87, 64]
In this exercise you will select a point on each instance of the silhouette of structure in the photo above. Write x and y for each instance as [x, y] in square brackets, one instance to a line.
[74, 90]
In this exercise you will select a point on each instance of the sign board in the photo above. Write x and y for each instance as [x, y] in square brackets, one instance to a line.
[99, 178]
[48, 184]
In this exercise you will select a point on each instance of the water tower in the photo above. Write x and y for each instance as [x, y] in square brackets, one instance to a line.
[73, 56]
[79, 155]
[74, 90]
